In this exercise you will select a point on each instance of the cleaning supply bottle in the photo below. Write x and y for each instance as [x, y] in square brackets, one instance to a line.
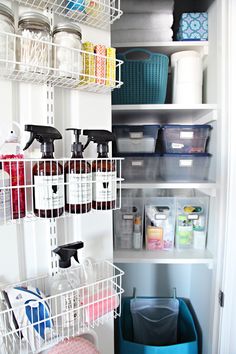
[48, 194]
[11, 151]
[103, 171]
[65, 281]
[5, 196]
[78, 176]
[137, 234]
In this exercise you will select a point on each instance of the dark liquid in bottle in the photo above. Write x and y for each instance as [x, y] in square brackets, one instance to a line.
[77, 167]
[47, 168]
[103, 166]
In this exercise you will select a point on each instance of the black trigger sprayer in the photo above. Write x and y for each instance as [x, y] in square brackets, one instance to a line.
[48, 191]
[103, 169]
[78, 179]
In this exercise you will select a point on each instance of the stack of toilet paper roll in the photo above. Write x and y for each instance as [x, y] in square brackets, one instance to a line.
[144, 21]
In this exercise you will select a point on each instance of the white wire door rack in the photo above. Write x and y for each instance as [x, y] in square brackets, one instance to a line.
[87, 307]
[47, 179]
[39, 62]
[97, 13]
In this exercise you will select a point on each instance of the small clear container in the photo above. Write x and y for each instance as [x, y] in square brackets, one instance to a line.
[126, 233]
[185, 167]
[144, 167]
[159, 223]
[136, 138]
[185, 139]
[34, 48]
[7, 47]
[67, 58]
[191, 222]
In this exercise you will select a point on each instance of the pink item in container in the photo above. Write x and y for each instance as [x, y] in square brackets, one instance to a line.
[16, 171]
[101, 303]
[100, 64]
[77, 345]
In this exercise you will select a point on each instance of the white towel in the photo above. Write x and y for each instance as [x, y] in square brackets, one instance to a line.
[144, 6]
[135, 36]
[143, 21]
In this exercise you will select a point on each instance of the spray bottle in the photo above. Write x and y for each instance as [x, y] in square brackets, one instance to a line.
[65, 281]
[103, 171]
[11, 152]
[48, 194]
[78, 177]
[5, 196]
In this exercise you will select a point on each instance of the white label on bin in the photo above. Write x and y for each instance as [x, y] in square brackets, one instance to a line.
[177, 146]
[137, 163]
[185, 163]
[128, 217]
[136, 135]
[193, 217]
[160, 217]
[186, 135]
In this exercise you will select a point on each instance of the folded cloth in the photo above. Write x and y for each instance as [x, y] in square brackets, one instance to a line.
[144, 6]
[135, 36]
[144, 21]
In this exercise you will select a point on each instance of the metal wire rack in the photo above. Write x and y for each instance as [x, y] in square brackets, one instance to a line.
[54, 318]
[53, 188]
[96, 13]
[38, 62]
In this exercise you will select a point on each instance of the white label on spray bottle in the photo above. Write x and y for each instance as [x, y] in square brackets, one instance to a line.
[69, 302]
[49, 192]
[104, 188]
[5, 203]
[79, 188]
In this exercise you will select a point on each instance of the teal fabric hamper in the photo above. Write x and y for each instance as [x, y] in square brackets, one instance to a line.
[187, 334]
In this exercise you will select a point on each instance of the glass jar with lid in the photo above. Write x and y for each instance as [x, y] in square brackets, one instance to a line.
[34, 48]
[67, 56]
[7, 40]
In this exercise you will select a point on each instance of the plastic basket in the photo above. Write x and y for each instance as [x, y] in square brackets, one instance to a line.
[187, 340]
[145, 81]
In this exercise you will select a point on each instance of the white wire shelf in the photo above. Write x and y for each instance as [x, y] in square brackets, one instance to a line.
[55, 188]
[54, 318]
[96, 13]
[39, 62]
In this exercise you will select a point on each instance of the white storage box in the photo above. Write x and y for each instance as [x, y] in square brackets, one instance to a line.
[191, 222]
[135, 138]
[185, 167]
[144, 167]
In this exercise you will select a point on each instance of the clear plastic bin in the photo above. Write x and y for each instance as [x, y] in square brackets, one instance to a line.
[136, 138]
[159, 223]
[144, 167]
[185, 139]
[191, 222]
[185, 167]
[128, 224]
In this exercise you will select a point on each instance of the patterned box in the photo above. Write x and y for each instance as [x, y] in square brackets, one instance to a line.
[193, 26]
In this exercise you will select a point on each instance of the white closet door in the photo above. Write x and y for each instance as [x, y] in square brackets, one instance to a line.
[227, 339]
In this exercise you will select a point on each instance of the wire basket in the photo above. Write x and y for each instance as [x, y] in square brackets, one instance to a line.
[43, 321]
[145, 80]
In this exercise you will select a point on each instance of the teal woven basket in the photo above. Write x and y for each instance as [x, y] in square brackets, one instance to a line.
[145, 81]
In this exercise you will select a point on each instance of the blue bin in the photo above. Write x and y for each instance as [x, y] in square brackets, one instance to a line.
[145, 81]
[187, 334]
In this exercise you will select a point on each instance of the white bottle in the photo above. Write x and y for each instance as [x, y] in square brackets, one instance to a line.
[5, 196]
